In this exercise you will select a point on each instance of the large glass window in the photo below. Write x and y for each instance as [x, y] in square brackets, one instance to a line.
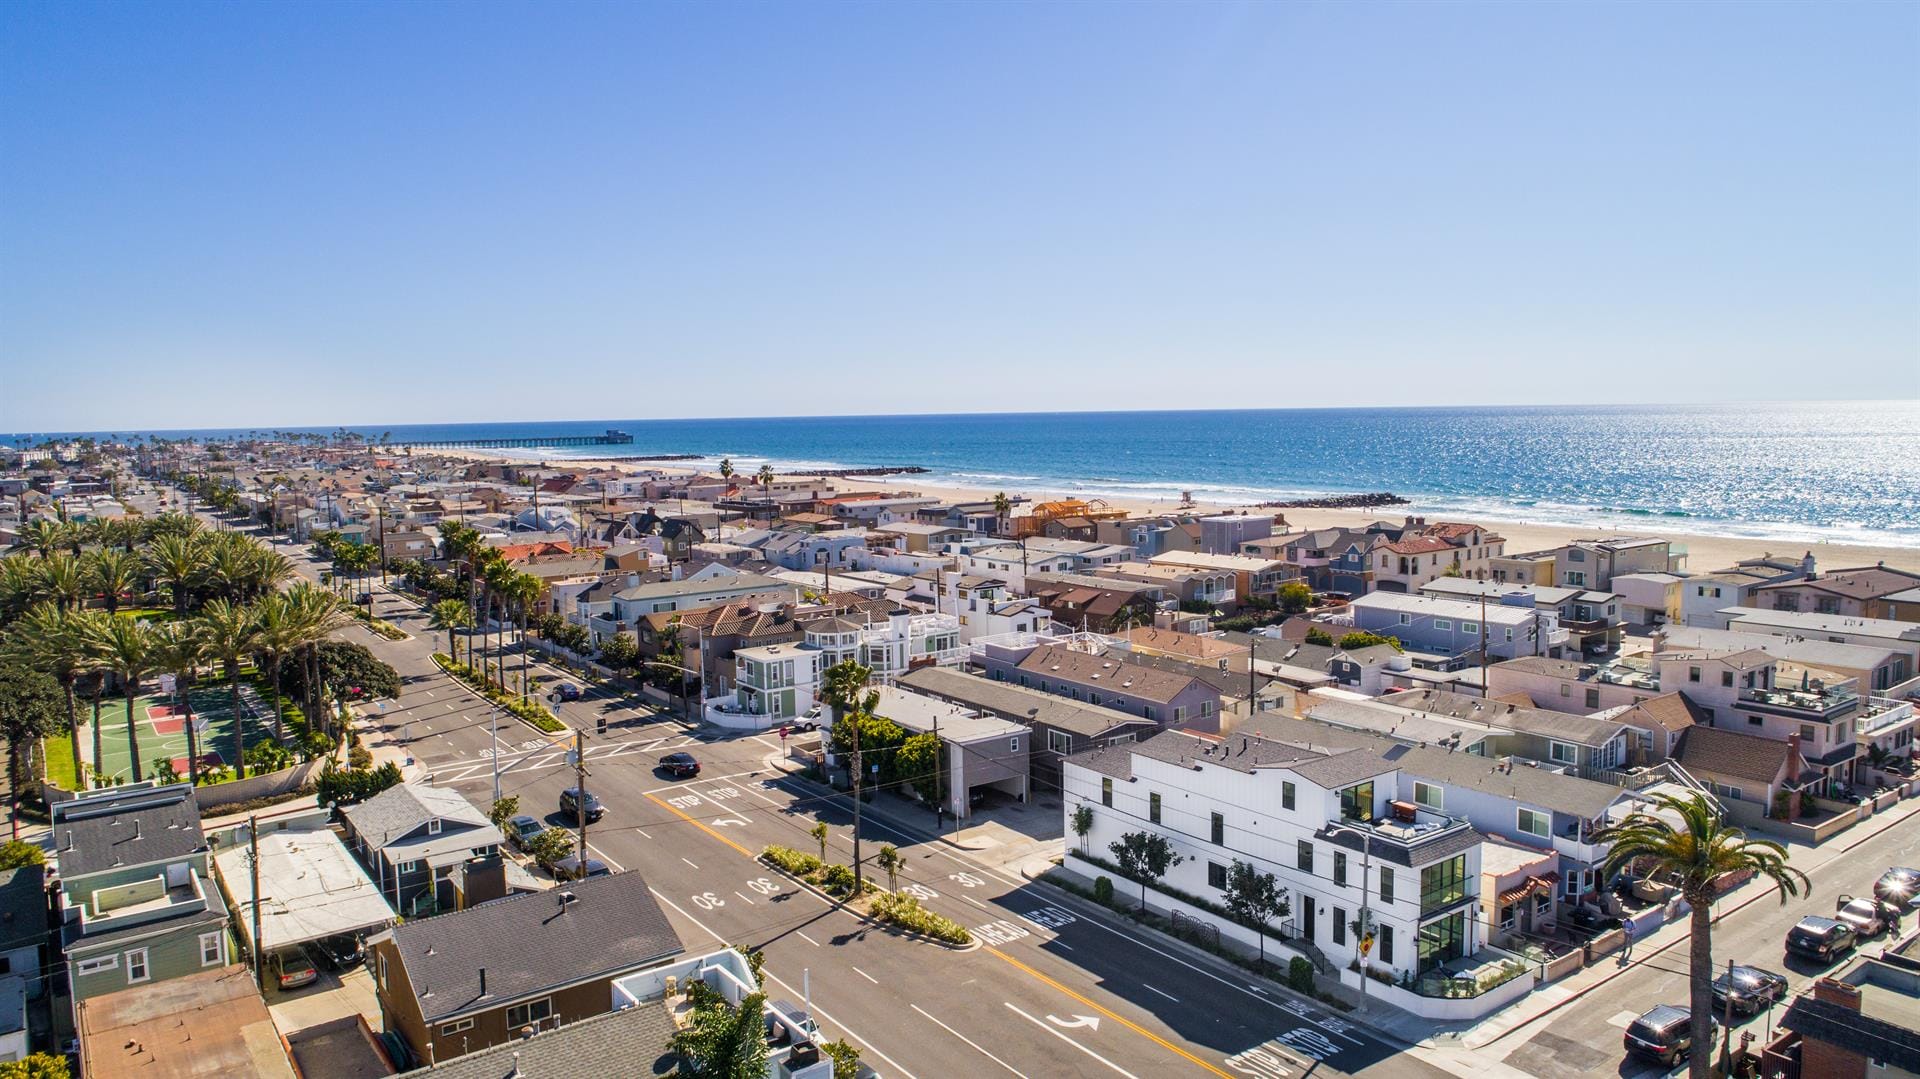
[1153, 807]
[1286, 794]
[1536, 824]
[1304, 857]
[1443, 883]
[1386, 884]
[1443, 940]
[1431, 795]
[1356, 802]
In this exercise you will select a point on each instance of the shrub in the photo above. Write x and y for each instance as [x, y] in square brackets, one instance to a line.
[1300, 975]
[1103, 890]
[846, 1059]
[837, 880]
[797, 862]
[894, 908]
[550, 846]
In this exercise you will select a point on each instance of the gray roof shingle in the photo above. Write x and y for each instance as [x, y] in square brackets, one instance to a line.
[138, 827]
[632, 1042]
[530, 943]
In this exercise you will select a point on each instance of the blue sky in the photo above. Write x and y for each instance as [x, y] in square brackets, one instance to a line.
[250, 214]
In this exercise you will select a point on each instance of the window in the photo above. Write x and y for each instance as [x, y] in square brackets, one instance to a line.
[1106, 791]
[1219, 830]
[1443, 623]
[1563, 752]
[1576, 578]
[1385, 933]
[521, 1015]
[1386, 884]
[1303, 860]
[1013, 744]
[1693, 674]
[1431, 795]
[1593, 697]
[137, 966]
[1806, 731]
[1469, 627]
[1059, 742]
[1216, 876]
[1533, 823]
[95, 966]
[1356, 802]
[210, 949]
[456, 1027]
[1755, 721]
[1023, 678]
[1406, 620]
[1153, 807]
[1206, 708]
[1146, 711]
[1726, 679]
[1339, 867]
[1565, 691]
[1443, 883]
[1286, 794]
[1442, 940]
[1339, 926]
[433, 826]
[410, 867]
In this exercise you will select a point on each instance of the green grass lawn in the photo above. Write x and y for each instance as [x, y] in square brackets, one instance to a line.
[62, 771]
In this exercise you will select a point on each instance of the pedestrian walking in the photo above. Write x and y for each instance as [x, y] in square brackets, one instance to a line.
[1626, 953]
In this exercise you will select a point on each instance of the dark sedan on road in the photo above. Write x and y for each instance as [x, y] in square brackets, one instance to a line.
[567, 691]
[680, 765]
[1665, 1034]
[1820, 939]
[571, 804]
[1898, 886]
[1751, 989]
[571, 868]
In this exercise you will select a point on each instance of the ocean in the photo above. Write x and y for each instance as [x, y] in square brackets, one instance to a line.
[1844, 472]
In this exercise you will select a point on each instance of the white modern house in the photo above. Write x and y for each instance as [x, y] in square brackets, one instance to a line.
[1369, 878]
[776, 682]
[1448, 630]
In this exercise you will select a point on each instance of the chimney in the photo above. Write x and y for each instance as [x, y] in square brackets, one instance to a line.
[136, 827]
[1835, 991]
[483, 983]
[486, 879]
[1793, 743]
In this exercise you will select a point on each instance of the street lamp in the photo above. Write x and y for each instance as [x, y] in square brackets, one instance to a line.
[1363, 935]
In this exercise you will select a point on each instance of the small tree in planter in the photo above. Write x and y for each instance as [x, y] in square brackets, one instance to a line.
[1146, 857]
[1082, 824]
[1257, 897]
[889, 860]
[819, 833]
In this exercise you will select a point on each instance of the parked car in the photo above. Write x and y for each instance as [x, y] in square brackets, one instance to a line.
[570, 804]
[680, 765]
[1752, 990]
[339, 953]
[571, 868]
[1665, 1034]
[1865, 917]
[1822, 939]
[522, 829]
[293, 968]
[567, 691]
[1898, 886]
[365, 599]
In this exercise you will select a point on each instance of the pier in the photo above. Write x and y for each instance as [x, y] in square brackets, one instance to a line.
[611, 438]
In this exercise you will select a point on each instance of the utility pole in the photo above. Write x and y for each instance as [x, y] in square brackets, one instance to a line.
[380, 521]
[1483, 662]
[580, 780]
[939, 805]
[859, 769]
[253, 866]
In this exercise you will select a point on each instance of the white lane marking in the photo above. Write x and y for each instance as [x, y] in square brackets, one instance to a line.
[1061, 943]
[644, 832]
[1151, 989]
[608, 858]
[969, 1041]
[792, 993]
[976, 902]
[867, 976]
[737, 892]
[808, 939]
[689, 861]
[1043, 1025]
[428, 692]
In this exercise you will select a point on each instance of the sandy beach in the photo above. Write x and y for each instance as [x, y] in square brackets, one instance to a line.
[1705, 553]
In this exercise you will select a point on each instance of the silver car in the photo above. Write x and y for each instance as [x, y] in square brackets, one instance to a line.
[1863, 916]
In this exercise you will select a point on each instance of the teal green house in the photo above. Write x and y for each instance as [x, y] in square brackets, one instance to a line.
[136, 903]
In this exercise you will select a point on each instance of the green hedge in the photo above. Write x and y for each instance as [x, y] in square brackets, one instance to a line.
[797, 862]
[896, 908]
[531, 711]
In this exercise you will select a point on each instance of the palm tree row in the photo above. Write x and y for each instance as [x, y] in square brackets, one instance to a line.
[495, 589]
[73, 645]
[181, 561]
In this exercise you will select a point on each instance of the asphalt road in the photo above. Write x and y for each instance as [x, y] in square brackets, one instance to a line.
[1052, 991]
[1583, 1039]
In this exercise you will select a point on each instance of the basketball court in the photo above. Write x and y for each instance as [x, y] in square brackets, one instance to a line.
[163, 728]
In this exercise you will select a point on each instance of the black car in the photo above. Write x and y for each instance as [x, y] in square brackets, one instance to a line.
[570, 804]
[1752, 990]
[1898, 887]
[680, 765]
[571, 868]
[339, 953]
[522, 829]
[567, 691]
[1822, 939]
[1665, 1034]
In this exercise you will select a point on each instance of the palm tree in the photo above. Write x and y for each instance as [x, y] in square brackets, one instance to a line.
[62, 580]
[229, 634]
[451, 615]
[726, 469]
[765, 478]
[113, 573]
[179, 651]
[1002, 509]
[279, 636]
[44, 535]
[19, 586]
[498, 578]
[316, 613]
[525, 590]
[1700, 853]
[55, 641]
[124, 648]
[178, 562]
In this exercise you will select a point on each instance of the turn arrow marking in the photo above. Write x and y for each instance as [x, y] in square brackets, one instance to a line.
[1077, 1021]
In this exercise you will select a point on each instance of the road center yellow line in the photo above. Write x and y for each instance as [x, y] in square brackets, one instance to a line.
[1122, 1020]
[675, 810]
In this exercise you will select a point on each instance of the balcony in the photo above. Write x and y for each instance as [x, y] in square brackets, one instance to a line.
[1881, 715]
[1817, 701]
[1404, 836]
[142, 902]
[1629, 673]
